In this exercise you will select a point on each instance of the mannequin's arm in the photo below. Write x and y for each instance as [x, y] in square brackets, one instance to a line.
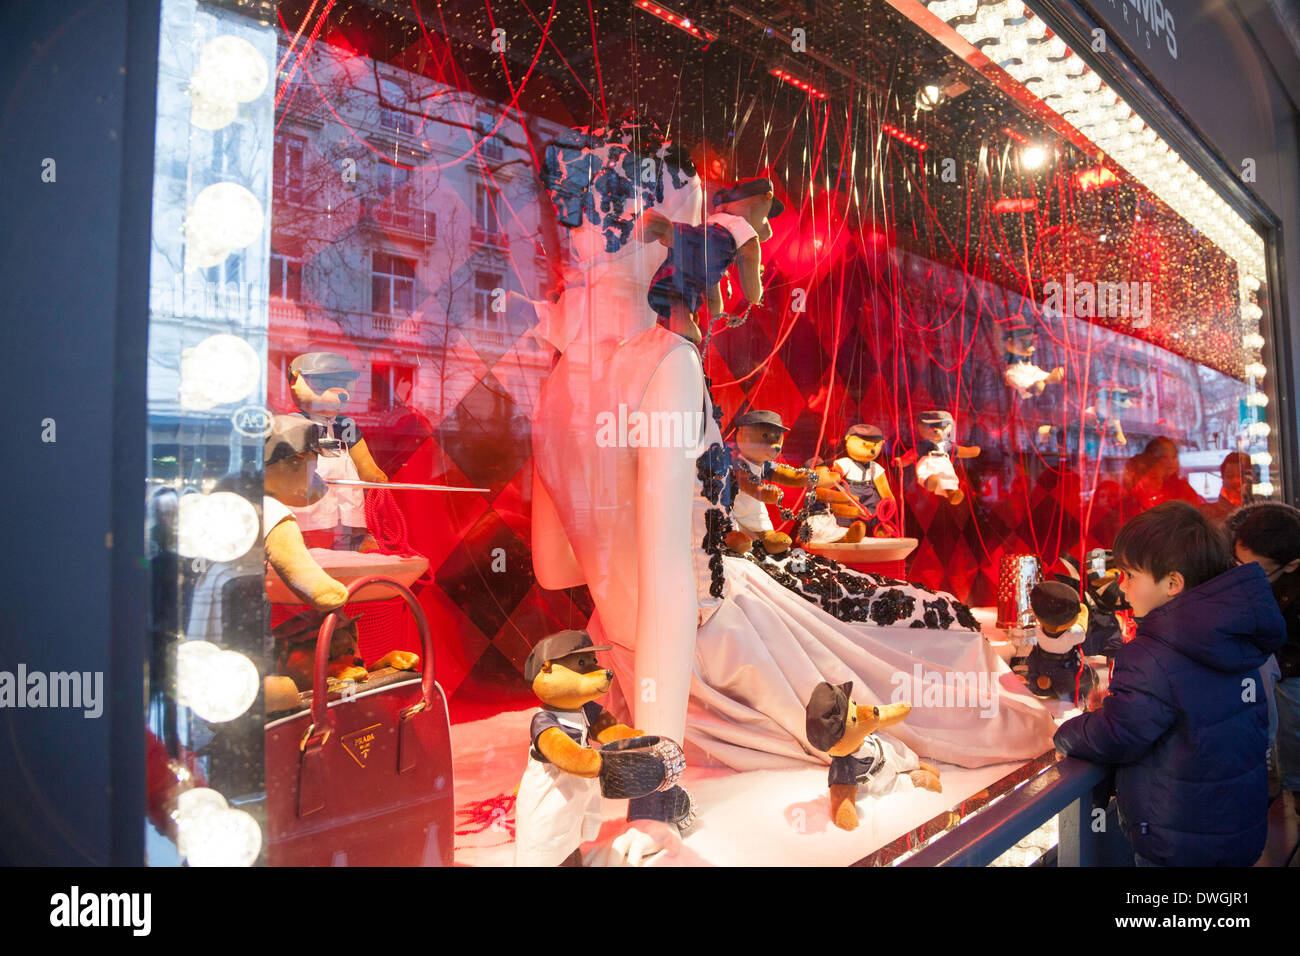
[667, 605]
[554, 562]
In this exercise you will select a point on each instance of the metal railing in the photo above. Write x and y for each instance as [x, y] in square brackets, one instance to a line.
[1064, 790]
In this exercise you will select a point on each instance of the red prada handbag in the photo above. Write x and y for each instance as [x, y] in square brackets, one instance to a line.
[363, 780]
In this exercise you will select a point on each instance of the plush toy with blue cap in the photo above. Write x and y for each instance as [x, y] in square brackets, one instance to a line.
[699, 256]
[322, 384]
[760, 436]
[1056, 667]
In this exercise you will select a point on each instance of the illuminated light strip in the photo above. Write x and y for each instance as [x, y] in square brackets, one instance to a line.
[1062, 81]
[798, 83]
[1022, 140]
[1096, 177]
[680, 22]
[898, 134]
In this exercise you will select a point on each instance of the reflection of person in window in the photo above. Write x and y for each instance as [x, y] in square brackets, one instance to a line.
[1173, 486]
[1236, 471]
[1144, 482]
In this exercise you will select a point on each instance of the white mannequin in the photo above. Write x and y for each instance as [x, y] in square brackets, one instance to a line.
[614, 352]
[621, 521]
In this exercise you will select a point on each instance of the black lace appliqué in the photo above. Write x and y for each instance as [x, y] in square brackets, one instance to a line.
[964, 616]
[893, 605]
[937, 614]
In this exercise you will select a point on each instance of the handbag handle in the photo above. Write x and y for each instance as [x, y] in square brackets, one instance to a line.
[319, 693]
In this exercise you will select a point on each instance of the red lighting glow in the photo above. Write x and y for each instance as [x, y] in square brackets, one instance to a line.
[1022, 140]
[1015, 205]
[1098, 177]
[798, 83]
[677, 20]
[898, 134]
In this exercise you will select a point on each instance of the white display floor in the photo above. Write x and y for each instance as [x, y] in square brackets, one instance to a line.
[759, 818]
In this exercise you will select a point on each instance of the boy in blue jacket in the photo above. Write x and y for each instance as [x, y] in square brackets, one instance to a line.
[1186, 722]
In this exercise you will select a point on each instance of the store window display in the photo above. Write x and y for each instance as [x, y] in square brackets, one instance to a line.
[623, 317]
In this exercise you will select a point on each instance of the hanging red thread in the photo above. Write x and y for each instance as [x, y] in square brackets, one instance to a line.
[387, 525]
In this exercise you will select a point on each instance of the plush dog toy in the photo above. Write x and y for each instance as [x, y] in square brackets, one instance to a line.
[558, 806]
[292, 449]
[322, 384]
[760, 436]
[1056, 664]
[699, 256]
[840, 726]
[295, 641]
[932, 455]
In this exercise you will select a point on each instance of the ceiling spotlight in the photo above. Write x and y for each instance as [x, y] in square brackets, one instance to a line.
[1031, 157]
[935, 93]
[930, 97]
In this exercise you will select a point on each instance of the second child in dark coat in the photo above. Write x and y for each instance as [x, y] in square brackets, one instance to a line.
[1186, 723]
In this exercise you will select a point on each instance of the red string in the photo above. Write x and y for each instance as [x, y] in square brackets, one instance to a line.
[387, 525]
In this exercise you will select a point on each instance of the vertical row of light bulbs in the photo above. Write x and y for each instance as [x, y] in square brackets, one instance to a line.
[1021, 44]
[215, 683]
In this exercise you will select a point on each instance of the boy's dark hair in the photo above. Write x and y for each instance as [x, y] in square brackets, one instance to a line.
[1173, 536]
[1268, 528]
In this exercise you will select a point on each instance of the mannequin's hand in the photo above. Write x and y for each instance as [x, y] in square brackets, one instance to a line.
[643, 842]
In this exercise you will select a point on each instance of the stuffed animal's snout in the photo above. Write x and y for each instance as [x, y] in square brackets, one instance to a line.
[884, 715]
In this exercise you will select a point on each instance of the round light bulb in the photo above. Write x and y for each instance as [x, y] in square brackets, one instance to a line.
[230, 68]
[218, 527]
[1256, 370]
[224, 216]
[218, 685]
[220, 370]
[1261, 458]
[192, 659]
[223, 838]
[1263, 489]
